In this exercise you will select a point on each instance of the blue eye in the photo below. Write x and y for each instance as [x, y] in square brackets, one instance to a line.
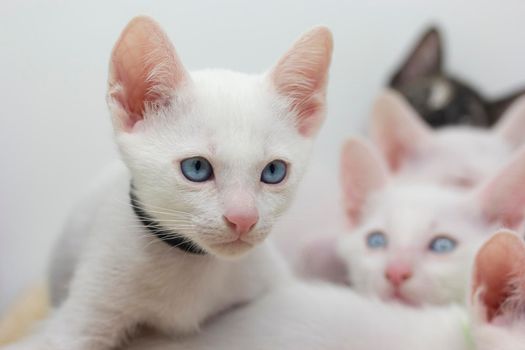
[196, 169]
[376, 240]
[442, 244]
[274, 172]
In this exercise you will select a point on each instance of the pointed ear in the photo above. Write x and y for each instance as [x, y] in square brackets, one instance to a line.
[502, 197]
[498, 283]
[397, 129]
[511, 126]
[425, 59]
[363, 172]
[301, 76]
[144, 72]
[497, 108]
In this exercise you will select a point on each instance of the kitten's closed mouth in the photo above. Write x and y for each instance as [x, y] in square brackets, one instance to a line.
[235, 243]
[232, 248]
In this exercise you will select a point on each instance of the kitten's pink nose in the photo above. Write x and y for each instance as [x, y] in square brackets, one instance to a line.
[397, 273]
[242, 220]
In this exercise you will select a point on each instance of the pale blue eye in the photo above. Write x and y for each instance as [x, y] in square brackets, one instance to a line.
[376, 240]
[274, 172]
[442, 244]
[196, 169]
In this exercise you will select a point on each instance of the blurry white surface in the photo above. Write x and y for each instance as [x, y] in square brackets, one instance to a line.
[55, 132]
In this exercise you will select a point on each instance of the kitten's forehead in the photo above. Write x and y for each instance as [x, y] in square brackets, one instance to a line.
[467, 135]
[467, 143]
[408, 210]
[223, 87]
[454, 154]
[238, 107]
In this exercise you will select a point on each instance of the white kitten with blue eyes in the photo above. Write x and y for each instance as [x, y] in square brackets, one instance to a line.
[212, 160]
[458, 156]
[413, 242]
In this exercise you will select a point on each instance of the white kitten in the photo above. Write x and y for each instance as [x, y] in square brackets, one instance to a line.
[459, 156]
[413, 242]
[312, 317]
[213, 159]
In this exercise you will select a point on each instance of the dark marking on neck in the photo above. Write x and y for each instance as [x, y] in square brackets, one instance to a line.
[167, 236]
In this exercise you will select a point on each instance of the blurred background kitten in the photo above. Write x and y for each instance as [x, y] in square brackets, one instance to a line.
[441, 97]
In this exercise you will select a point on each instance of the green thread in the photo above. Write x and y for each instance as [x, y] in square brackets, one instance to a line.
[467, 333]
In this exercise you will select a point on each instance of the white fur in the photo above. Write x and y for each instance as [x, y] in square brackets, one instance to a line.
[239, 124]
[311, 317]
[497, 337]
[461, 156]
[411, 216]
[455, 157]
[458, 156]
[125, 277]
[505, 332]
[322, 317]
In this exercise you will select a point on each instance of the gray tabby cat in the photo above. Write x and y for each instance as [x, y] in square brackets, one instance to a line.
[439, 97]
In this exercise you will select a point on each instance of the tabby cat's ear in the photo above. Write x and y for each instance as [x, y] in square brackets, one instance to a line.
[425, 59]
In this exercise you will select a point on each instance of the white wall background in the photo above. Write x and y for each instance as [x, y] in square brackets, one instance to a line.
[55, 130]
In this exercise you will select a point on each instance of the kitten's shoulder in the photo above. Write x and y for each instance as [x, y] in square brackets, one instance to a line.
[71, 242]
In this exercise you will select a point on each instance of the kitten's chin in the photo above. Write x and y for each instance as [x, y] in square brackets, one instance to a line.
[398, 296]
[230, 250]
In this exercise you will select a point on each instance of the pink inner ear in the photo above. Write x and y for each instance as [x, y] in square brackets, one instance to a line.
[396, 153]
[511, 125]
[503, 197]
[497, 264]
[362, 173]
[397, 129]
[301, 75]
[144, 70]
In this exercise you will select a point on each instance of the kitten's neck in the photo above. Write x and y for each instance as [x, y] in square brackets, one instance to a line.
[167, 236]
